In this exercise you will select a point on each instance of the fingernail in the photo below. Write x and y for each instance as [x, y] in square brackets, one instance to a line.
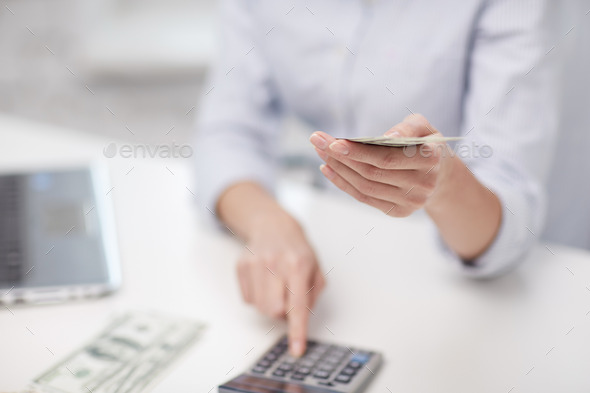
[392, 133]
[318, 141]
[327, 171]
[296, 348]
[339, 147]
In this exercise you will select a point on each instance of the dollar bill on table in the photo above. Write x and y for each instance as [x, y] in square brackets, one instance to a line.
[126, 357]
[402, 141]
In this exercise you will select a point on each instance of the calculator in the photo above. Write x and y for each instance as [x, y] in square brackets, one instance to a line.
[323, 368]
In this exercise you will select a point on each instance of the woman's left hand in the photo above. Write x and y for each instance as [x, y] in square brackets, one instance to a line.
[397, 181]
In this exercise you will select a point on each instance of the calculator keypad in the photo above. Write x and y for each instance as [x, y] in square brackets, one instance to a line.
[322, 364]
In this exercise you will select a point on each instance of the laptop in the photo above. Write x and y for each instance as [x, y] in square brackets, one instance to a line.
[57, 236]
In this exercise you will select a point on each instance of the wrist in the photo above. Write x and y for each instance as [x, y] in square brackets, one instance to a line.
[451, 182]
[249, 210]
[271, 219]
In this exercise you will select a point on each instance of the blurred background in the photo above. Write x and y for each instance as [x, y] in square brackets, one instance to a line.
[73, 62]
[135, 69]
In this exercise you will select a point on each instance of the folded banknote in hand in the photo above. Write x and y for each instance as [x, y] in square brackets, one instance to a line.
[401, 141]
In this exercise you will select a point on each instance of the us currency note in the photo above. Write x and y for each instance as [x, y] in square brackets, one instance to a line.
[125, 358]
[402, 141]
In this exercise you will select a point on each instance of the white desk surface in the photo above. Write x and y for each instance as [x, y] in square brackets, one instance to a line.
[388, 289]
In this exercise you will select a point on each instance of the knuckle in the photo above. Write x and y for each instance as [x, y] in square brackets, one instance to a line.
[429, 182]
[433, 174]
[298, 263]
[390, 160]
[403, 212]
[366, 187]
[416, 201]
[362, 198]
[389, 211]
[271, 263]
[277, 311]
[374, 173]
[434, 157]
[400, 212]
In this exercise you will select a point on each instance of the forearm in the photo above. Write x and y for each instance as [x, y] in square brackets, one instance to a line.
[467, 214]
[247, 207]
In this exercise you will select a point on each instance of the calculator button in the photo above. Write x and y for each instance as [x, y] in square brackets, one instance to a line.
[271, 357]
[277, 351]
[306, 363]
[322, 374]
[325, 383]
[264, 363]
[340, 351]
[285, 367]
[326, 367]
[354, 364]
[303, 370]
[298, 377]
[361, 357]
[348, 371]
[259, 370]
[343, 378]
[279, 373]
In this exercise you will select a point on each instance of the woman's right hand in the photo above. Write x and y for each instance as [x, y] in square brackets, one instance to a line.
[278, 270]
[279, 274]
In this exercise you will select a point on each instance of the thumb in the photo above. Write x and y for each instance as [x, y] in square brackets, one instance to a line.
[414, 125]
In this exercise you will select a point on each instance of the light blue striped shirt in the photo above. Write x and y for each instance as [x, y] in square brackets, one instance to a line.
[475, 68]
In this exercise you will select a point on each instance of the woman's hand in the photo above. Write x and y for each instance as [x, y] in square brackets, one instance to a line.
[278, 270]
[397, 181]
[280, 275]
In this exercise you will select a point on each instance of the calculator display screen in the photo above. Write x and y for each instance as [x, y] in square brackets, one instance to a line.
[248, 383]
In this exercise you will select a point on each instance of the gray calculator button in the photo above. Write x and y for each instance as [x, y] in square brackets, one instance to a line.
[279, 373]
[259, 370]
[326, 367]
[354, 364]
[348, 371]
[303, 370]
[314, 356]
[285, 367]
[322, 374]
[307, 363]
[343, 378]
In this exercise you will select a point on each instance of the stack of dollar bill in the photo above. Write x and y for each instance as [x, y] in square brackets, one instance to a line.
[125, 358]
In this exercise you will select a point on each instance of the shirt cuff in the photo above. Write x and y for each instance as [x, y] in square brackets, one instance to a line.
[516, 235]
